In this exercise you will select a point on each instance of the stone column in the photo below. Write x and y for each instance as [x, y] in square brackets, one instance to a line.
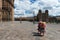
[12, 10]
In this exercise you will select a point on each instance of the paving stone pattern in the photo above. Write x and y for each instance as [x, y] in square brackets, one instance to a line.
[27, 31]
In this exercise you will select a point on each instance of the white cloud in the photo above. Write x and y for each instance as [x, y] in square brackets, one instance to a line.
[52, 5]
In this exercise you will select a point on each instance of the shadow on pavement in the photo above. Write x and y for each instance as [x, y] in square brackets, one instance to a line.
[36, 34]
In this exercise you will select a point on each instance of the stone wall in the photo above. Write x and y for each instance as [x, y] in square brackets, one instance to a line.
[6, 8]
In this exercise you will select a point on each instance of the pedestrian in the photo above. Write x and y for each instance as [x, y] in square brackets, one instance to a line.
[41, 27]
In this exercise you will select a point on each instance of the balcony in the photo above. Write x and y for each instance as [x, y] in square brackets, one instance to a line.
[6, 8]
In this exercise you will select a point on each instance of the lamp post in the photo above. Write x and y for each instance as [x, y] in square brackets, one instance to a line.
[18, 16]
[20, 20]
[33, 17]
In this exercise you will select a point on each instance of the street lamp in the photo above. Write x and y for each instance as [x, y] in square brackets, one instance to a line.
[20, 20]
[18, 16]
[33, 17]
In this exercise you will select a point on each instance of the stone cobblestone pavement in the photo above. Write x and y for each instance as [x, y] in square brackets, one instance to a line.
[26, 31]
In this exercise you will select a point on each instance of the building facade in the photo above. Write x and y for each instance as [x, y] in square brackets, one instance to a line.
[43, 16]
[6, 10]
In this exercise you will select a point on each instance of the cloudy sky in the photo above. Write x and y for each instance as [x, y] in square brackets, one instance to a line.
[26, 8]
